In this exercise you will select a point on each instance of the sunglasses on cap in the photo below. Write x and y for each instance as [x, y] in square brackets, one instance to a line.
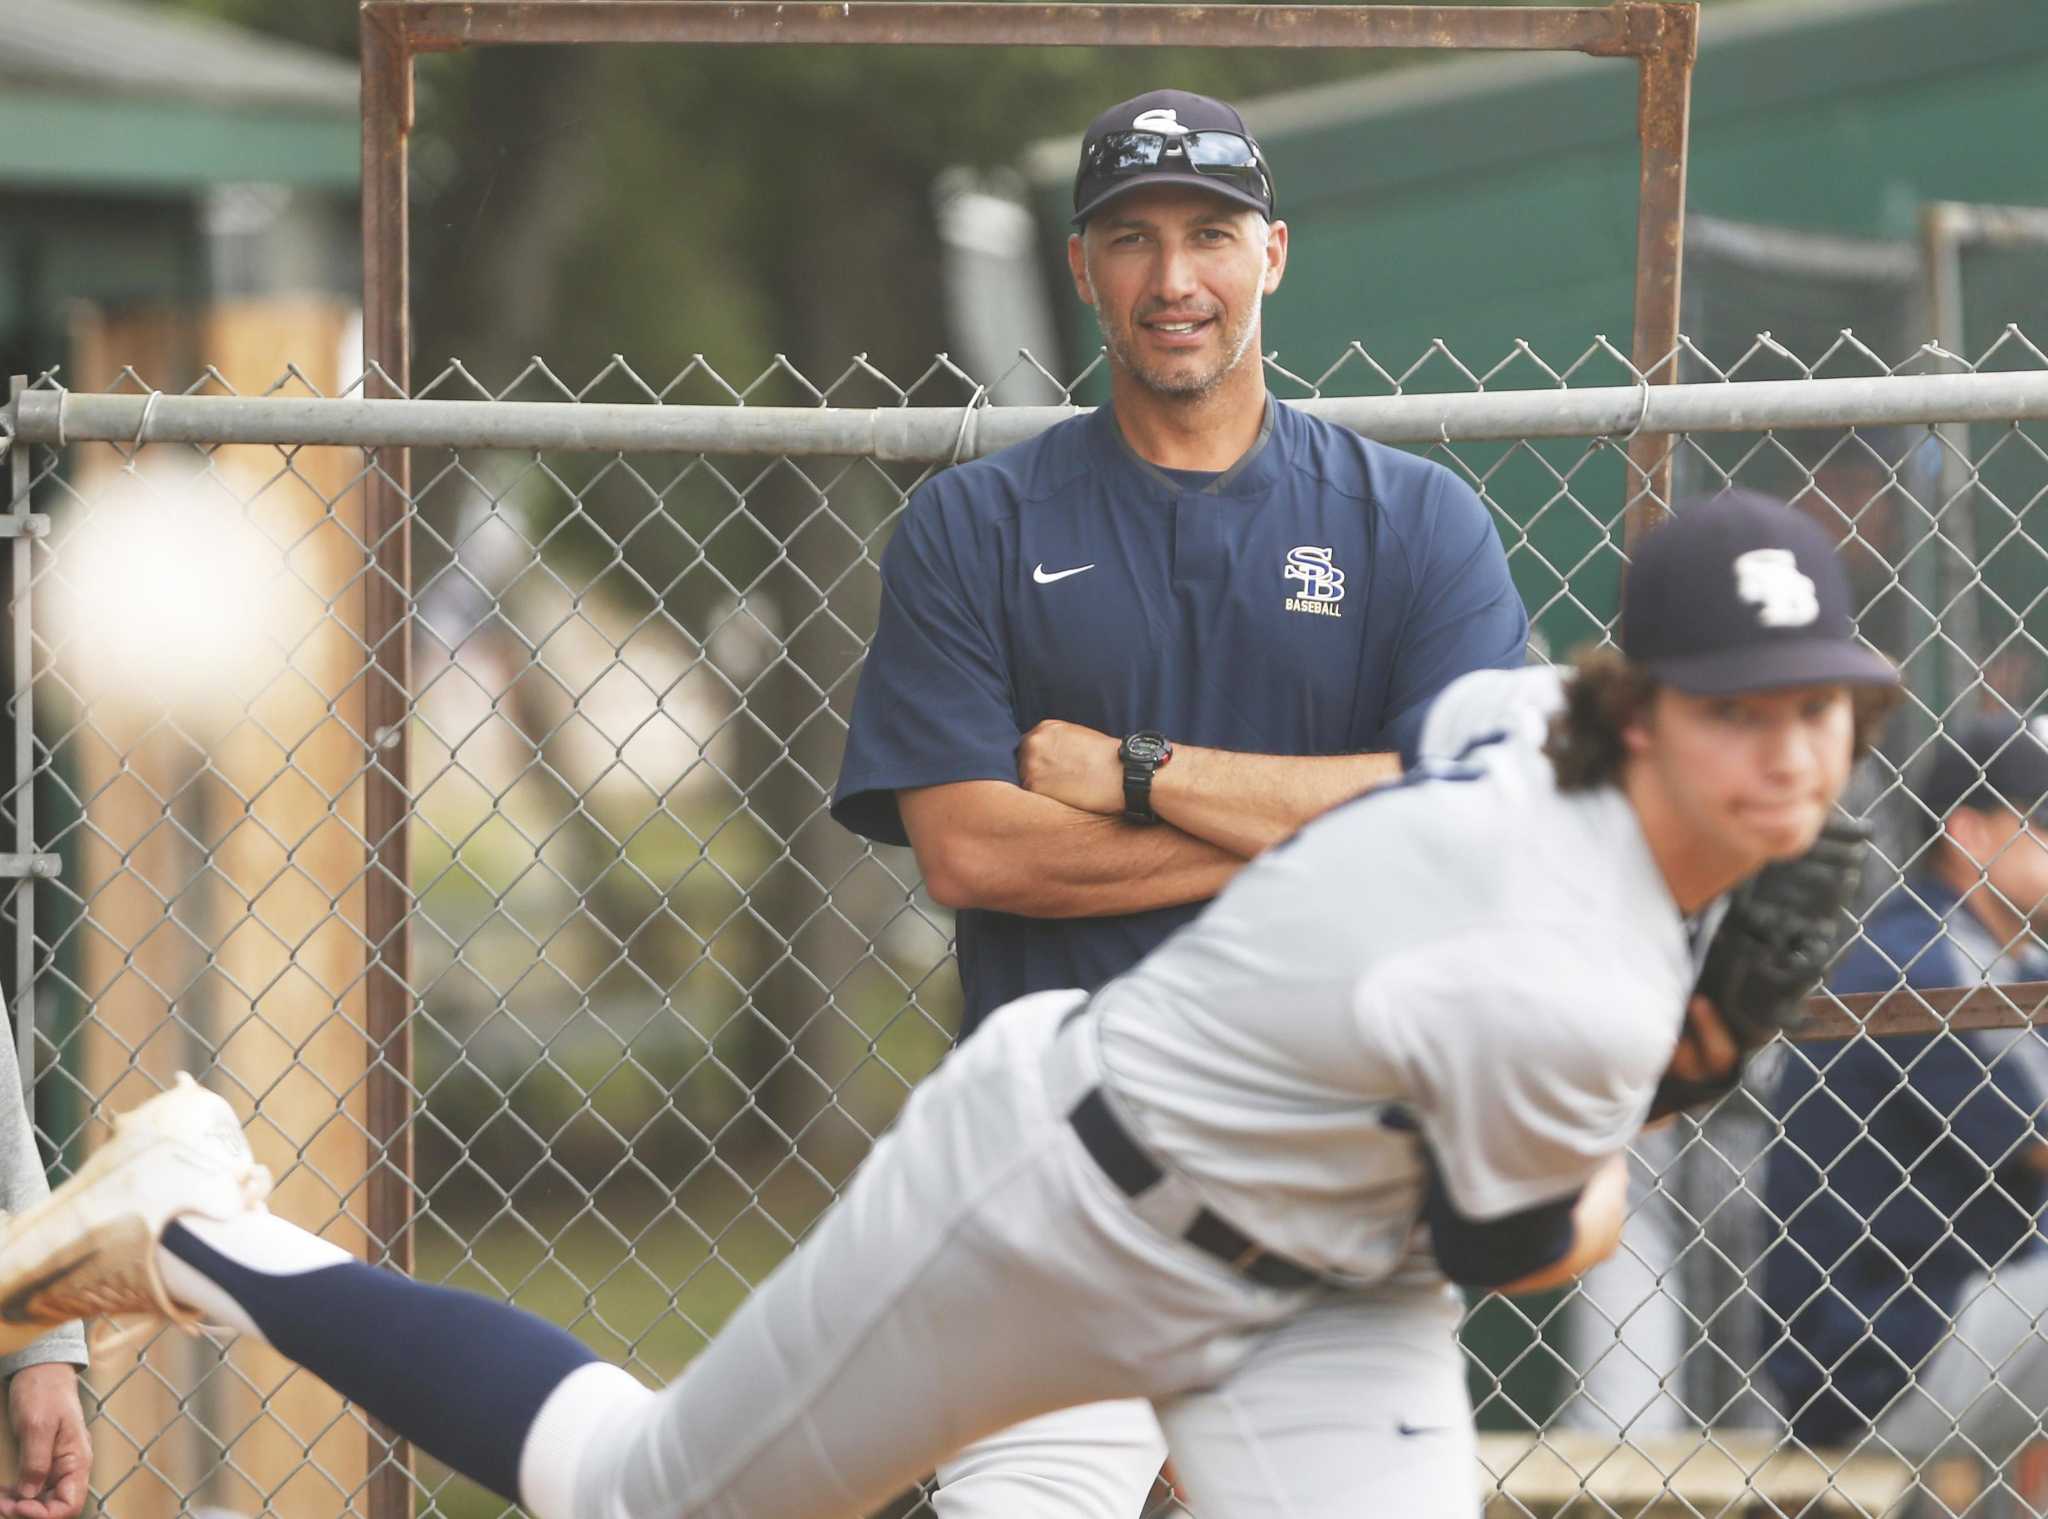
[1229, 156]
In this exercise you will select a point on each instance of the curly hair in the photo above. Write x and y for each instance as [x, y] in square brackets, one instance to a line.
[1608, 692]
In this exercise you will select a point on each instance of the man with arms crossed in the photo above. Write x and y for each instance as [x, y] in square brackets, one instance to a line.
[1117, 661]
[1407, 1048]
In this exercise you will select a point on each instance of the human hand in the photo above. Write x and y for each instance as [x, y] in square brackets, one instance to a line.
[1073, 764]
[56, 1452]
[1707, 1051]
[1706, 1056]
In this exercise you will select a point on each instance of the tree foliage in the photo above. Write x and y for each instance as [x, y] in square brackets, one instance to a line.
[658, 202]
[662, 202]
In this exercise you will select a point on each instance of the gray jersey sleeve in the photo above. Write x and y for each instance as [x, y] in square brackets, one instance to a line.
[1488, 703]
[1523, 1068]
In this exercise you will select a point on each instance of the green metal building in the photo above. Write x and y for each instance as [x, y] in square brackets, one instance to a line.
[147, 156]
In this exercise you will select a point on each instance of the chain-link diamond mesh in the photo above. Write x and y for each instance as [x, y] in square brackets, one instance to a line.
[661, 1003]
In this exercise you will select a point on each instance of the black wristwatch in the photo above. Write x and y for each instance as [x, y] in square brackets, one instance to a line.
[1141, 754]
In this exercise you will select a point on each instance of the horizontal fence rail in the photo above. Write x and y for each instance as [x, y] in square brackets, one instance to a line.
[941, 434]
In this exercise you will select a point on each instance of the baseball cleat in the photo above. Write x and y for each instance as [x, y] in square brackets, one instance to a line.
[89, 1249]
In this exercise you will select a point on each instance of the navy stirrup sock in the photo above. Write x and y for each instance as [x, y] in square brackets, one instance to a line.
[460, 1376]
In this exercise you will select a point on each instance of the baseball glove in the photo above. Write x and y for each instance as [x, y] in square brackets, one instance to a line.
[1783, 927]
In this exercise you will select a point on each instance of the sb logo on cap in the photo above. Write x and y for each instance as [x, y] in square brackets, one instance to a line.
[1782, 593]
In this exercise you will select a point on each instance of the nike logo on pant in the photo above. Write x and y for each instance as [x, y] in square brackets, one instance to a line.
[1038, 574]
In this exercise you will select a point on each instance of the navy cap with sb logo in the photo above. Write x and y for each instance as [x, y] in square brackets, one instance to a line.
[1743, 593]
[1987, 762]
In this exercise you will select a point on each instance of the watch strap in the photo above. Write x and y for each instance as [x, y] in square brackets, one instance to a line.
[1138, 793]
[1141, 754]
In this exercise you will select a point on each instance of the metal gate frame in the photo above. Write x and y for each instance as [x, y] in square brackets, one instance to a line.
[1661, 35]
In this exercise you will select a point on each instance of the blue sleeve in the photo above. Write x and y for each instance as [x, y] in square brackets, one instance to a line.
[1987, 1106]
[933, 705]
[1967, 1088]
[1464, 613]
[1494, 1252]
[1899, 941]
[1488, 1253]
[2018, 1104]
[1864, 967]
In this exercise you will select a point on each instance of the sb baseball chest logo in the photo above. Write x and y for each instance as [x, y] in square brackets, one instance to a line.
[1321, 582]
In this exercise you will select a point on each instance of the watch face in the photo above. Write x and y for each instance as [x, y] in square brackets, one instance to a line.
[1145, 748]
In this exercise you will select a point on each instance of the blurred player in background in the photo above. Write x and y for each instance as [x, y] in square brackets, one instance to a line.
[1115, 662]
[1910, 1283]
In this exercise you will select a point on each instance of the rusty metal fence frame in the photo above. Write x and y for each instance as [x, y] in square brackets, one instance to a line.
[1661, 35]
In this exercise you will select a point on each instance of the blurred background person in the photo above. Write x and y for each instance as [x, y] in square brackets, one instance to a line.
[1909, 1281]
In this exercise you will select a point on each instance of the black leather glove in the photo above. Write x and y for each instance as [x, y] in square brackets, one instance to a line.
[1783, 927]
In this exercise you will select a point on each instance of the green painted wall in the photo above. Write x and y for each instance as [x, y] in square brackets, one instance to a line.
[60, 140]
[1484, 219]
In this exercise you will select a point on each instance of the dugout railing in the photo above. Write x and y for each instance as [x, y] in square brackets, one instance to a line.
[660, 1004]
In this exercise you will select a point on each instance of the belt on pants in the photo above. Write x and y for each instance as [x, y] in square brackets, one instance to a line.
[1135, 1173]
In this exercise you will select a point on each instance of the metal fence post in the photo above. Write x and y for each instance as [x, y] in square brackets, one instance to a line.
[387, 75]
[21, 711]
[1663, 114]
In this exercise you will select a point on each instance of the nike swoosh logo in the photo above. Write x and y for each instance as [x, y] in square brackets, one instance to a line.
[1038, 574]
[16, 1309]
[1421, 1429]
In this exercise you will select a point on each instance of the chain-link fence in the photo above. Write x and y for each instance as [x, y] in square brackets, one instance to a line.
[659, 1005]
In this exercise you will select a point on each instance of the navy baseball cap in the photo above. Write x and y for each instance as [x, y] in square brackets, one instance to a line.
[1987, 763]
[1170, 137]
[1743, 593]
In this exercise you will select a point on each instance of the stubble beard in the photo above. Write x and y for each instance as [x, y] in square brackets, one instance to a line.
[1182, 385]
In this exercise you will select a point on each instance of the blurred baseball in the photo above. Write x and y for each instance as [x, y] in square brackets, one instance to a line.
[165, 600]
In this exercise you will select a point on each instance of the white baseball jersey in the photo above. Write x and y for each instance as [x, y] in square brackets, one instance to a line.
[1493, 962]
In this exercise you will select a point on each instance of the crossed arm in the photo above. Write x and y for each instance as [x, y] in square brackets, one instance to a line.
[1055, 845]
